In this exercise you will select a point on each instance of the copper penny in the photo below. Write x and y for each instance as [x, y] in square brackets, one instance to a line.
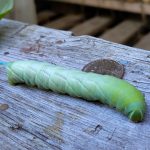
[105, 67]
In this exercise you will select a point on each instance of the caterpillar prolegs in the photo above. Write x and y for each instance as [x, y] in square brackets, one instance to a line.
[90, 86]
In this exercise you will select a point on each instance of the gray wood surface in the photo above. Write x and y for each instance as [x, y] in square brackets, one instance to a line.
[43, 120]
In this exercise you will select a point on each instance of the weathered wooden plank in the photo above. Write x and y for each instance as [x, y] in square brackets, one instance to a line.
[144, 43]
[123, 32]
[11, 28]
[65, 22]
[45, 15]
[53, 121]
[121, 5]
[92, 26]
[14, 133]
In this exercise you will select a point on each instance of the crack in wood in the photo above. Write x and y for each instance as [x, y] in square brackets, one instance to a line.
[95, 130]
[111, 136]
[21, 29]
[15, 127]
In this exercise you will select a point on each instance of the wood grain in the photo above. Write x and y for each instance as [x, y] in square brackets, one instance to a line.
[44, 120]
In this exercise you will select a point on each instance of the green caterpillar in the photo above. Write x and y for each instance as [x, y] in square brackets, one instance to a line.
[90, 86]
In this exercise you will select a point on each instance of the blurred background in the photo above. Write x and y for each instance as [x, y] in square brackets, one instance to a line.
[120, 21]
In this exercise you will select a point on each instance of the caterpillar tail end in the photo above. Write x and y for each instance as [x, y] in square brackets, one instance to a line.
[136, 116]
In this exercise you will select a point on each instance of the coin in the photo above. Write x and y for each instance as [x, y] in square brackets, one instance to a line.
[105, 67]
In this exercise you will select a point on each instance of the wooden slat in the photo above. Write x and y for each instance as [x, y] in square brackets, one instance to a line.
[45, 120]
[45, 16]
[121, 5]
[65, 22]
[144, 43]
[92, 26]
[122, 32]
[146, 1]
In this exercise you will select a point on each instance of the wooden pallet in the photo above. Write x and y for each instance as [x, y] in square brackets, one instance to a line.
[45, 120]
[144, 43]
[45, 15]
[92, 26]
[65, 22]
[120, 5]
[122, 32]
[126, 31]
